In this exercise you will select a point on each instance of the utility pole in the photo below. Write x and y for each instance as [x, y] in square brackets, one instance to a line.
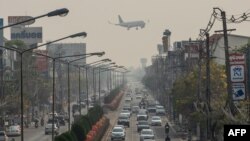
[248, 80]
[208, 87]
[198, 129]
[229, 85]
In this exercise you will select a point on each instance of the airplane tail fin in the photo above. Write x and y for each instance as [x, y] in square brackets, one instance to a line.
[120, 19]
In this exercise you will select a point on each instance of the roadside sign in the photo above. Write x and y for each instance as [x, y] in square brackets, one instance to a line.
[237, 73]
[236, 58]
[16, 19]
[29, 35]
[239, 91]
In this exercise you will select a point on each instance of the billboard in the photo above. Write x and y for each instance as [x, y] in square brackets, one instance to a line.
[67, 49]
[29, 35]
[41, 61]
[17, 19]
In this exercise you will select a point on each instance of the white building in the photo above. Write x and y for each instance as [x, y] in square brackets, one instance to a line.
[217, 45]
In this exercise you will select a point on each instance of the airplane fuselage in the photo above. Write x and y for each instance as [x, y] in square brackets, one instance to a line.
[132, 24]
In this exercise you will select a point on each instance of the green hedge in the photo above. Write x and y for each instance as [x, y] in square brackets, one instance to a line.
[66, 136]
[82, 126]
[109, 98]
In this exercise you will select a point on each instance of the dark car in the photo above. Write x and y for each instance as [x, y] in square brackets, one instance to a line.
[123, 120]
[61, 120]
[151, 109]
[56, 122]
[142, 125]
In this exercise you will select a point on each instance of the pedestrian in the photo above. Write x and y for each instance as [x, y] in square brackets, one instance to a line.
[167, 128]
[167, 138]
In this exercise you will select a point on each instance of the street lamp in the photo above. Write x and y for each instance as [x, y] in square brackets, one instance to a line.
[99, 72]
[86, 73]
[99, 68]
[21, 70]
[53, 97]
[58, 12]
[94, 83]
[61, 12]
[99, 54]
[68, 63]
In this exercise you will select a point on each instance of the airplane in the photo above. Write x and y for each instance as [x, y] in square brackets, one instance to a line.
[130, 24]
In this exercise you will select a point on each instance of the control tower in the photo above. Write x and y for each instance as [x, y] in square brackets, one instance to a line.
[143, 62]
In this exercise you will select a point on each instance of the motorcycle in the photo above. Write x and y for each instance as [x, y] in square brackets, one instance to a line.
[36, 124]
[42, 122]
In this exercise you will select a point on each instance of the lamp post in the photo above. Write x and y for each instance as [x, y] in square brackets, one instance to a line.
[94, 83]
[86, 73]
[99, 71]
[99, 54]
[61, 12]
[53, 97]
[21, 70]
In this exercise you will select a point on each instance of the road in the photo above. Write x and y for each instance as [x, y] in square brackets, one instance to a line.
[37, 134]
[131, 132]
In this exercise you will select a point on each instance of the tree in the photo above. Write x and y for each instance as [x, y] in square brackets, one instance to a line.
[184, 93]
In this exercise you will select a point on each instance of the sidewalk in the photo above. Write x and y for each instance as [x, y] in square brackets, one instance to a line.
[179, 132]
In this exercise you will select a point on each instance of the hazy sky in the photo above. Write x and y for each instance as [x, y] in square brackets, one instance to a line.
[184, 18]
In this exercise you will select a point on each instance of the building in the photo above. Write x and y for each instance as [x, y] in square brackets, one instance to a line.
[42, 63]
[217, 45]
[67, 49]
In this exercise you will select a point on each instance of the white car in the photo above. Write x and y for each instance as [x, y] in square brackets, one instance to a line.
[160, 112]
[122, 126]
[14, 130]
[146, 134]
[3, 136]
[156, 121]
[48, 129]
[118, 133]
[127, 112]
[159, 107]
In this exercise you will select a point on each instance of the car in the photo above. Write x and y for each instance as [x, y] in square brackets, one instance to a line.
[118, 133]
[151, 109]
[159, 107]
[135, 109]
[160, 112]
[127, 107]
[14, 130]
[142, 125]
[61, 120]
[128, 100]
[123, 120]
[3, 136]
[56, 122]
[156, 121]
[143, 111]
[126, 112]
[142, 115]
[83, 104]
[48, 129]
[138, 97]
[118, 125]
[51, 115]
[146, 134]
